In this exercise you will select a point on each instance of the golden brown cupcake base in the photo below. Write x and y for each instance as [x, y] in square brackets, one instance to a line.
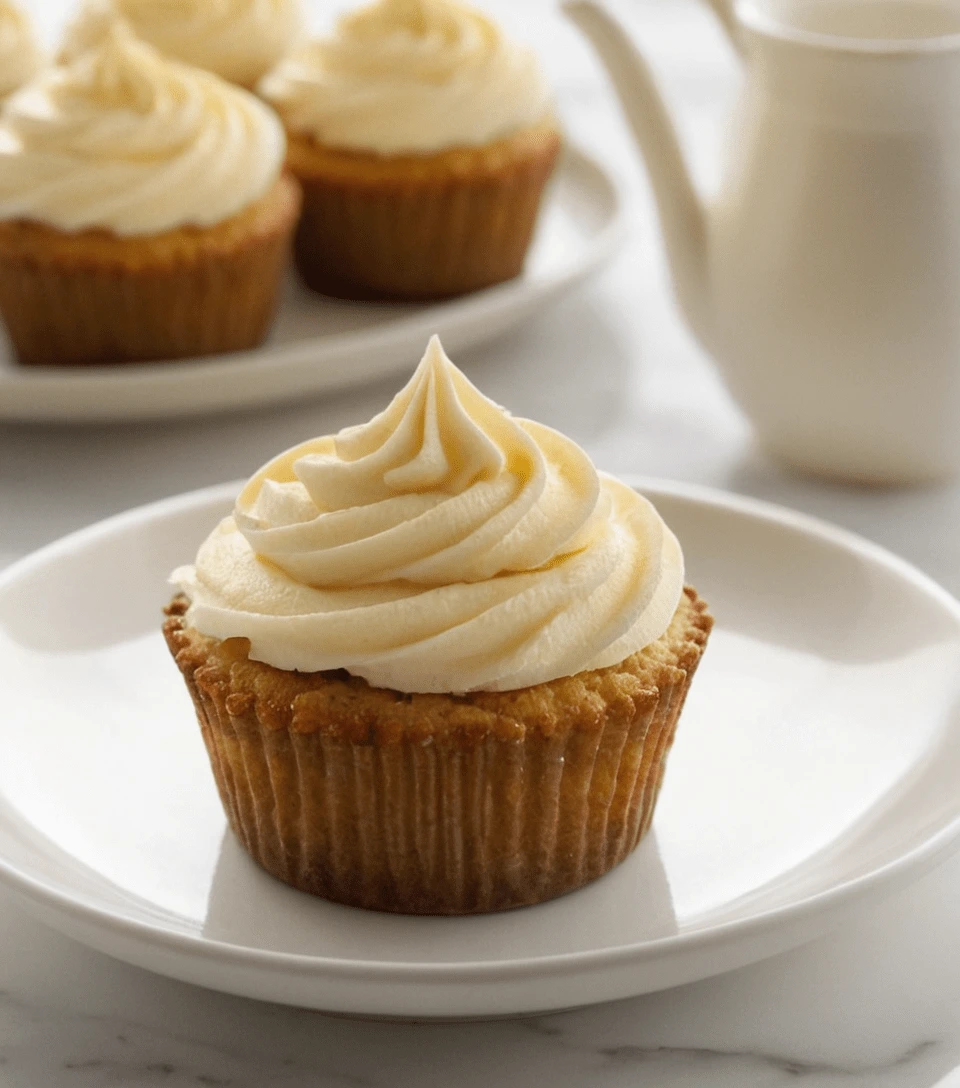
[419, 227]
[92, 297]
[438, 804]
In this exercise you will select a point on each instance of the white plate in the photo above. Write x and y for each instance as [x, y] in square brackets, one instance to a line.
[319, 345]
[815, 768]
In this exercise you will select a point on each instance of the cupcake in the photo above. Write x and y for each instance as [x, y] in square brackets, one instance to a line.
[423, 139]
[144, 211]
[20, 54]
[438, 660]
[238, 40]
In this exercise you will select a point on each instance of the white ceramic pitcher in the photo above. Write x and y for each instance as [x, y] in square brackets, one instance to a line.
[825, 276]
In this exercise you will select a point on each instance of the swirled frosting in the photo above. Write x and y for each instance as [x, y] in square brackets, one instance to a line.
[443, 547]
[128, 141]
[238, 40]
[415, 76]
[20, 54]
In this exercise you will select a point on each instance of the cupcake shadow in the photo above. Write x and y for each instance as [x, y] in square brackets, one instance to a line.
[249, 908]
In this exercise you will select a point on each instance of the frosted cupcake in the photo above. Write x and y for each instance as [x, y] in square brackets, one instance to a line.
[438, 660]
[423, 138]
[20, 54]
[238, 40]
[144, 211]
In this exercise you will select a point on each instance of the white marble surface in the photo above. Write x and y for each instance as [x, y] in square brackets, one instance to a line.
[876, 1005]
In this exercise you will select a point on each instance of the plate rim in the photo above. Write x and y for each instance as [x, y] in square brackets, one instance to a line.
[36, 394]
[913, 863]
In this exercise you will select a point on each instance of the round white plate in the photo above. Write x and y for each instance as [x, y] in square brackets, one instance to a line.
[814, 769]
[319, 345]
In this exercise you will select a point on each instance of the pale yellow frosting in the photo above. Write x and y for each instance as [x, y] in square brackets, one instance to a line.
[126, 140]
[415, 76]
[443, 547]
[239, 40]
[20, 54]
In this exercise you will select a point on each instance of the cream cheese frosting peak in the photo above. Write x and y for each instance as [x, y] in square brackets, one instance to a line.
[444, 546]
[238, 40]
[126, 140]
[20, 54]
[410, 76]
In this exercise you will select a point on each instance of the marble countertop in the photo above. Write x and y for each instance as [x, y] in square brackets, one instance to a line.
[874, 1005]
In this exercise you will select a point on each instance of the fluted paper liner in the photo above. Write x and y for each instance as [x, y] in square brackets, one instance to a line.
[93, 298]
[419, 228]
[462, 812]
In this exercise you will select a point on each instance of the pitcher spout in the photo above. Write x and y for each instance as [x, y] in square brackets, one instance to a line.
[682, 215]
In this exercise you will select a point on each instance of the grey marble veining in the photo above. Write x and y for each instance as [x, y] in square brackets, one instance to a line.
[876, 1005]
[100, 1050]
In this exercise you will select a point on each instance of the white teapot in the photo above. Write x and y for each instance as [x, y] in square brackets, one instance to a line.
[824, 278]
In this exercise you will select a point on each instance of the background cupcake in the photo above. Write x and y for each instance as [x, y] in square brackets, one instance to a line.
[20, 54]
[423, 138]
[143, 210]
[438, 660]
[239, 40]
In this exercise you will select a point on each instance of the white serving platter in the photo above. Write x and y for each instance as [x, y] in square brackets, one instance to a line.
[320, 345]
